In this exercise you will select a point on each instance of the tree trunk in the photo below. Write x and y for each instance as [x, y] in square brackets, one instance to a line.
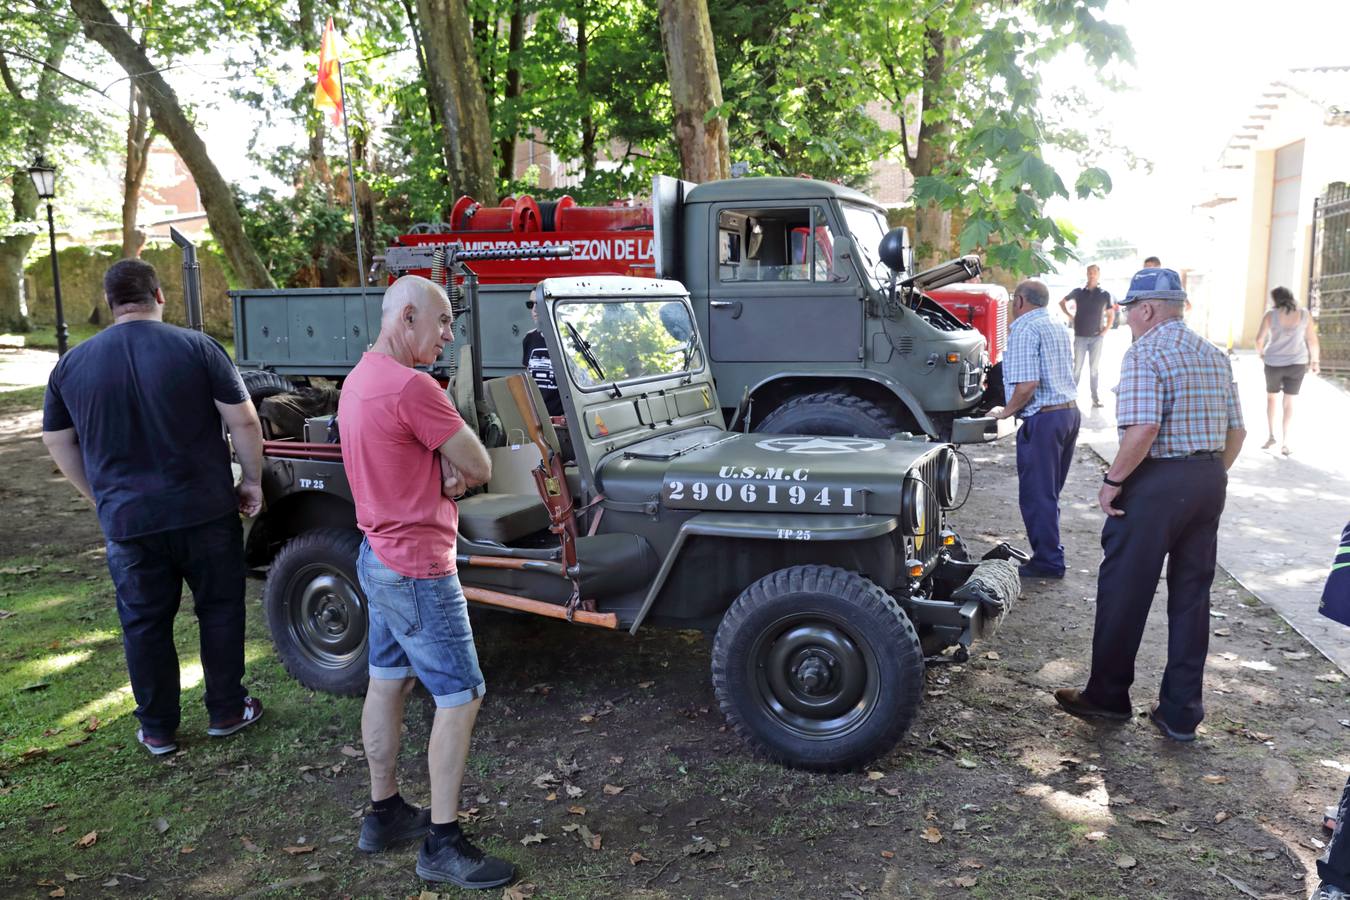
[515, 39]
[456, 89]
[221, 212]
[932, 223]
[695, 89]
[139, 138]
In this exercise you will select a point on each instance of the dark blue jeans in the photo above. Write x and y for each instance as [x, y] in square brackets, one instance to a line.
[148, 573]
[1172, 509]
[1045, 445]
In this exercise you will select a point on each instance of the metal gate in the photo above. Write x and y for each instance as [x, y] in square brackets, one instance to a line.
[1329, 280]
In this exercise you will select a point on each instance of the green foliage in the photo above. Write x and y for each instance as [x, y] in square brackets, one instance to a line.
[987, 114]
[290, 232]
[795, 89]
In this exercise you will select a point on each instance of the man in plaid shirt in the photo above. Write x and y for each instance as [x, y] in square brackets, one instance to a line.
[1041, 390]
[1180, 430]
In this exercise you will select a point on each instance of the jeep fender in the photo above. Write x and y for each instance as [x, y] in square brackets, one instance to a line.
[787, 528]
[780, 387]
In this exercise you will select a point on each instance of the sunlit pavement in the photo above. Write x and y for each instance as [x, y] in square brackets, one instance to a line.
[1284, 515]
[21, 368]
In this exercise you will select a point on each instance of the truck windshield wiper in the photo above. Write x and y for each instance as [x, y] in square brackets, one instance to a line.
[585, 350]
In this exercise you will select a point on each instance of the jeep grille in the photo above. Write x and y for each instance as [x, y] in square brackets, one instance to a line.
[928, 542]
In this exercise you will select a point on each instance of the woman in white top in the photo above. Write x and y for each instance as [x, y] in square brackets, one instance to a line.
[1287, 343]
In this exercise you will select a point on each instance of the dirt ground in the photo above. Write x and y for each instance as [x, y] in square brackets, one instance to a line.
[603, 767]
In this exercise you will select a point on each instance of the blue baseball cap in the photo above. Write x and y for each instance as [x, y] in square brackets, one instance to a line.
[1155, 284]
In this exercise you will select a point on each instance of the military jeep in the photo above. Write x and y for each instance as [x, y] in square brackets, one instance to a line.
[823, 566]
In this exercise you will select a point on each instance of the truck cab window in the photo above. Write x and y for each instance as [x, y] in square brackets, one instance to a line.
[775, 245]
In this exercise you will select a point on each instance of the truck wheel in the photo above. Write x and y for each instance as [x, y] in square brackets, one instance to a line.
[831, 413]
[818, 668]
[317, 612]
[262, 384]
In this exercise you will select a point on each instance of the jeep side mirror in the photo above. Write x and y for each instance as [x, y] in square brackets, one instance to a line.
[841, 260]
[894, 249]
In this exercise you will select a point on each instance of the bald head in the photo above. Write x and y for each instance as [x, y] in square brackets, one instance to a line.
[411, 290]
[416, 321]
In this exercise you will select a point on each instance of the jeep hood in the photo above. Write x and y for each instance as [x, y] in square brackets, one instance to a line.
[797, 474]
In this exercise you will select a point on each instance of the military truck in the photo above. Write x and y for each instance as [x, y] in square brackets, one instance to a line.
[824, 567]
[800, 313]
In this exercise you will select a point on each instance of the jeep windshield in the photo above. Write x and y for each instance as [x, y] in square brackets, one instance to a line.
[867, 227]
[613, 344]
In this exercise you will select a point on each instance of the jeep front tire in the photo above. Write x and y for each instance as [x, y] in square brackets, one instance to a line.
[831, 413]
[818, 668]
[316, 611]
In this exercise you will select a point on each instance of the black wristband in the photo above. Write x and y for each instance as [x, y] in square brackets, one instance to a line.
[1107, 479]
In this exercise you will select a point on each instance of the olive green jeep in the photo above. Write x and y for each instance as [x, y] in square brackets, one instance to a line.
[824, 567]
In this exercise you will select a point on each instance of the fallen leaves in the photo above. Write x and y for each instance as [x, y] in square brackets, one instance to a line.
[299, 849]
[1220, 817]
[60, 829]
[537, 838]
[1257, 665]
[932, 835]
[635, 857]
[87, 841]
[518, 891]
[1330, 678]
[161, 825]
[20, 570]
[874, 775]
[888, 854]
[1215, 779]
[1126, 862]
[614, 790]
[1095, 836]
[545, 780]
[350, 751]
[577, 810]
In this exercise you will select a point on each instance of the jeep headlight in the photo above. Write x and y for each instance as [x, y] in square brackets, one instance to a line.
[948, 478]
[916, 505]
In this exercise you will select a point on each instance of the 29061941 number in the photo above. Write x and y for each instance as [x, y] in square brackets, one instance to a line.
[752, 494]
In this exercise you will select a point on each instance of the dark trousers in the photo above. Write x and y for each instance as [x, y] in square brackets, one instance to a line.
[1172, 510]
[1045, 445]
[148, 573]
[1334, 866]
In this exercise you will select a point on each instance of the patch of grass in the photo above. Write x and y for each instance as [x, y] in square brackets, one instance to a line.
[70, 764]
[21, 400]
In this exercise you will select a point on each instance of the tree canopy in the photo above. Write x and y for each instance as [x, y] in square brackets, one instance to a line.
[496, 97]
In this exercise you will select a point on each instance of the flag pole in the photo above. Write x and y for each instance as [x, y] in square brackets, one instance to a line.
[351, 179]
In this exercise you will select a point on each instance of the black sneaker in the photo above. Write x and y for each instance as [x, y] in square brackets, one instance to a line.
[459, 862]
[408, 823]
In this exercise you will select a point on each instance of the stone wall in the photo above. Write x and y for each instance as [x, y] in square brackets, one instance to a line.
[82, 271]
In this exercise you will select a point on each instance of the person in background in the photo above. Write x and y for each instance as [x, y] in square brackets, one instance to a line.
[535, 359]
[1091, 316]
[1152, 262]
[133, 417]
[1334, 867]
[1180, 426]
[1038, 383]
[1287, 344]
[406, 454]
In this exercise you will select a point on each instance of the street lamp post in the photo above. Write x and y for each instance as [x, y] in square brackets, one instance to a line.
[44, 180]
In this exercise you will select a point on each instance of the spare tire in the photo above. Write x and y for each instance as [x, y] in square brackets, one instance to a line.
[262, 384]
[831, 413]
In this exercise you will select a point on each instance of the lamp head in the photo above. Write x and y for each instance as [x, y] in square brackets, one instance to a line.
[44, 178]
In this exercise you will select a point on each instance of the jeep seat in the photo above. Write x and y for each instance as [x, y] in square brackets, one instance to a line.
[502, 518]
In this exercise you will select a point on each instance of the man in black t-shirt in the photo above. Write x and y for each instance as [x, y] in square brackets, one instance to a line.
[537, 362]
[1091, 316]
[133, 417]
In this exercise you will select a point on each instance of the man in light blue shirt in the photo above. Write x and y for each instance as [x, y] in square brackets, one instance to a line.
[1040, 390]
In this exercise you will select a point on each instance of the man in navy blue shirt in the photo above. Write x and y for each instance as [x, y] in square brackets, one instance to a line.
[133, 417]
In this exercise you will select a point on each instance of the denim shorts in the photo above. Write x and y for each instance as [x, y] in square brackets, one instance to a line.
[420, 627]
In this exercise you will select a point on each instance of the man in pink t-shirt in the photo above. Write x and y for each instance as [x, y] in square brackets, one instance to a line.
[407, 453]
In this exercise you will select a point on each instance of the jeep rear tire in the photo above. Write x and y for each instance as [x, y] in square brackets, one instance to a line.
[262, 384]
[316, 611]
[831, 413]
[818, 668]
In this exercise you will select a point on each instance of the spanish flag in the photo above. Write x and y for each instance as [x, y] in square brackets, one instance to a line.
[328, 92]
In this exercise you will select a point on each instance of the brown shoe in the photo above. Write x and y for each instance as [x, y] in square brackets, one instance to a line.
[1071, 701]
